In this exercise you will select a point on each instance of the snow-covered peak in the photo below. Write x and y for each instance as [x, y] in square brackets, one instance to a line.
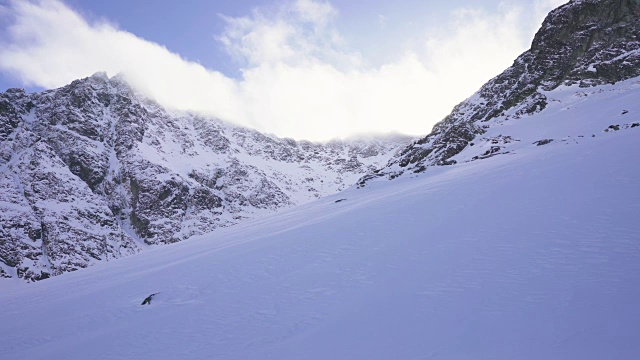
[530, 255]
[119, 172]
[586, 43]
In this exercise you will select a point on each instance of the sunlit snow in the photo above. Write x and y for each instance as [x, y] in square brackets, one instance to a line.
[530, 254]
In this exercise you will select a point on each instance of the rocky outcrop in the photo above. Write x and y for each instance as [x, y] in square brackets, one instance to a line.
[585, 42]
[93, 171]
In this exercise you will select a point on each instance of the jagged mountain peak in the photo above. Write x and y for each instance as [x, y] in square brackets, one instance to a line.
[584, 43]
[591, 42]
[94, 170]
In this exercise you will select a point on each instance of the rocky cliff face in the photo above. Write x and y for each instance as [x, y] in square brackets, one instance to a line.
[584, 42]
[93, 171]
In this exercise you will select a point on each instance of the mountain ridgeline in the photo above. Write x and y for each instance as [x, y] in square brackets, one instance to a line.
[93, 171]
[584, 42]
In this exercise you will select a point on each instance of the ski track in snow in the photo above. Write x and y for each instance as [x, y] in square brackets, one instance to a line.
[530, 255]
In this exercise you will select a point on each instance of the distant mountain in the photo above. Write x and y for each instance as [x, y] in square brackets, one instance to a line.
[530, 255]
[584, 42]
[526, 246]
[93, 171]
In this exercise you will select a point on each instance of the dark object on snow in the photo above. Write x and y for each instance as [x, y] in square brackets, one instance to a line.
[543, 142]
[147, 301]
[340, 200]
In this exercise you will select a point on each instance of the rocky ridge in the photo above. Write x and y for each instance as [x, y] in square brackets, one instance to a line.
[93, 171]
[584, 42]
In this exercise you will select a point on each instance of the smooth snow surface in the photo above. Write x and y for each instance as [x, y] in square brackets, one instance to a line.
[533, 254]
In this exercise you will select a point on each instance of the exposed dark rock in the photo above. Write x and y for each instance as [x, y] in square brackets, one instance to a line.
[619, 127]
[584, 42]
[92, 170]
[489, 153]
[543, 142]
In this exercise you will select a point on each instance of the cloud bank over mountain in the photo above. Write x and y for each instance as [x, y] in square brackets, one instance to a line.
[299, 77]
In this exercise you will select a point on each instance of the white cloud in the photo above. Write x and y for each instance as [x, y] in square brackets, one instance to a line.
[299, 77]
[382, 21]
[474, 47]
[296, 33]
[258, 41]
[318, 13]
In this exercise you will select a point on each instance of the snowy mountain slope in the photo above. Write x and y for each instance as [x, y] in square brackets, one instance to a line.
[585, 42]
[93, 171]
[530, 255]
[569, 118]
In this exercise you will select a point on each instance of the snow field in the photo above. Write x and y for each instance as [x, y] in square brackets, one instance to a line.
[533, 254]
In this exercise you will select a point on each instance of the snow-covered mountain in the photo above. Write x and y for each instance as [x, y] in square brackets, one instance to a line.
[531, 255]
[584, 42]
[527, 246]
[93, 171]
